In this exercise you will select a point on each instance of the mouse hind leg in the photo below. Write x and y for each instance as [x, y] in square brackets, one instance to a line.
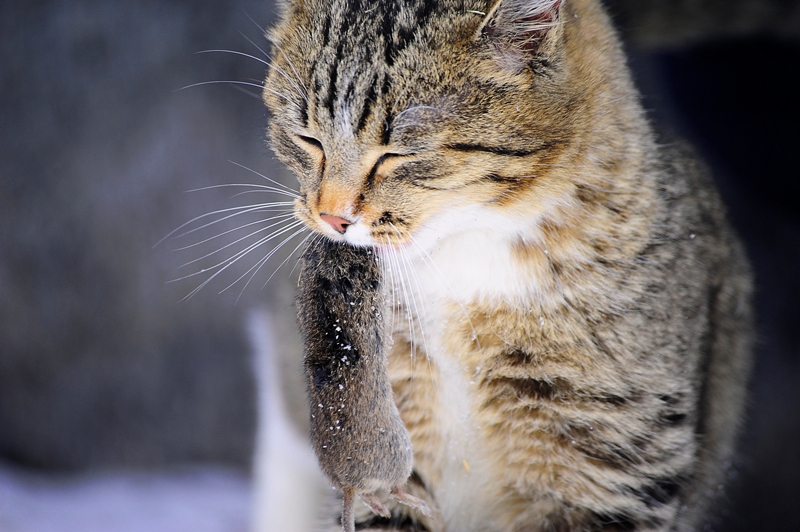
[376, 504]
[412, 502]
[399, 510]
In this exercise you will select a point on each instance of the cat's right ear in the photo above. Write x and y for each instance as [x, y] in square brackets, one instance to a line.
[522, 29]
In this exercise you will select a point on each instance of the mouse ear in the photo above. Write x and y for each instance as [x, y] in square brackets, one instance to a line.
[521, 26]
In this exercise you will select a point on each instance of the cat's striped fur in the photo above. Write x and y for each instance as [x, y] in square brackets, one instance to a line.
[572, 318]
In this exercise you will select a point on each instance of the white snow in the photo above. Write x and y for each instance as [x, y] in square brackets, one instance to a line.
[198, 499]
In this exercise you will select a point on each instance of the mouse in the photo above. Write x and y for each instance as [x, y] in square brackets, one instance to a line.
[359, 438]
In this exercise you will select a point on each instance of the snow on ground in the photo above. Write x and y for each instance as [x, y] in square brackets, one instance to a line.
[200, 499]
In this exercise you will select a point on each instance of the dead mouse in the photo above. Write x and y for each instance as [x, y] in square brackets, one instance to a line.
[360, 440]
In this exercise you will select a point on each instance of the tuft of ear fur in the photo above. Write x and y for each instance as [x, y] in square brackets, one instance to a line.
[521, 25]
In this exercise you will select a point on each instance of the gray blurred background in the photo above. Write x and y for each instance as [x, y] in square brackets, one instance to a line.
[104, 365]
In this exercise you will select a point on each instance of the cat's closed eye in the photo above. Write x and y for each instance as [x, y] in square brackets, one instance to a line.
[310, 141]
[313, 147]
[384, 158]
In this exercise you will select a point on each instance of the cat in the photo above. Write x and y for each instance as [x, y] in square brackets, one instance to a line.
[569, 310]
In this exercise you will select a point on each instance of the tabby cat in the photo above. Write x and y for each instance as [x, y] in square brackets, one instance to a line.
[569, 310]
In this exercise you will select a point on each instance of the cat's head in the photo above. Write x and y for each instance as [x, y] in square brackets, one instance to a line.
[409, 120]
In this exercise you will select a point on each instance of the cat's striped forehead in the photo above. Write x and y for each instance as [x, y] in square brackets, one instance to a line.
[358, 55]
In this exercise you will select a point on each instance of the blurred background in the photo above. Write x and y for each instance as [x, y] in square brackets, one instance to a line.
[120, 396]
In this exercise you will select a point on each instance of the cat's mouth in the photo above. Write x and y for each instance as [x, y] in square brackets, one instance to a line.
[358, 230]
[386, 232]
[359, 233]
[355, 231]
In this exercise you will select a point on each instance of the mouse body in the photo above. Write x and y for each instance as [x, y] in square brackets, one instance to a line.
[356, 430]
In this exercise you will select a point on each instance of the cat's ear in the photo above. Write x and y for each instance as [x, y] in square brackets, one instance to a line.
[521, 26]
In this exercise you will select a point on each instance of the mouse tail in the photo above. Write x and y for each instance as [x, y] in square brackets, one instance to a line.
[348, 507]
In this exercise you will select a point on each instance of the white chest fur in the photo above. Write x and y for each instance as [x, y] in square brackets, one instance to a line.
[437, 277]
[465, 255]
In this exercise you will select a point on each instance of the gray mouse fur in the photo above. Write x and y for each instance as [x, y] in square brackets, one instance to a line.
[356, 430]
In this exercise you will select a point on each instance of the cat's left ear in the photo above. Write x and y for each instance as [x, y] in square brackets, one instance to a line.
[521, 27]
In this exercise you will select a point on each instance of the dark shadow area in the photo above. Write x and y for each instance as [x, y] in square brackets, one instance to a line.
[737, 101]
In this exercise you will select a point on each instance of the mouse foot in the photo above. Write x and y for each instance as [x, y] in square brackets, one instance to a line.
[375, 504]
[411, 501]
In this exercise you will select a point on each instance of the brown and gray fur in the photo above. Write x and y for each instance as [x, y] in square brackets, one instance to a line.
[597, 381]
[356, 429]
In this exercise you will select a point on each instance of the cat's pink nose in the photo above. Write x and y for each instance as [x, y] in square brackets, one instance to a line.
[339, 224]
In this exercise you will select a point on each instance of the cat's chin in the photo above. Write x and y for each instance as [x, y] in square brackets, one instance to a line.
[357, 235]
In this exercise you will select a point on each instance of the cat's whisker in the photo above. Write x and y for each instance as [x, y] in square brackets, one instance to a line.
[432, 266]
[262, 29]
[423, 294]
[262, 188]
[226, 246]
[412, 275]
[260, 263]
[266, 62]
[271, 64]
[388, 287]
[314, 237]
[255, 95]
[253, 192]
[257, 47]
[224, 265]
[239, 228]
[289, 256]
[397, 305]
[417, 108]
[259, 174]
[390, 275]
[407, 308]
[235, 257]
[291, 65]
[234, 52]
[303, 92]
[245, 84]
[244, 209]
[221, 81]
